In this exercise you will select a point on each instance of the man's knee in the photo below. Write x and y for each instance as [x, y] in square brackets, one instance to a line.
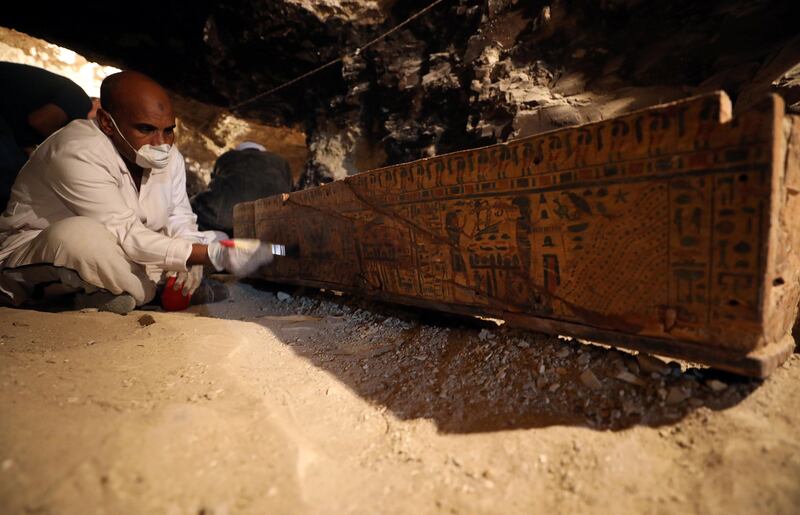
[78, 236]
[84, 245]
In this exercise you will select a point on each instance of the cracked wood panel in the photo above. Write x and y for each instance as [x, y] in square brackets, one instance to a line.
[668, 223]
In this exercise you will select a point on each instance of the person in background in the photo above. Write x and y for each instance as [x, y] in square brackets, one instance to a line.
[100, 210]
[245, 173]
[95, 106]
[34, 103]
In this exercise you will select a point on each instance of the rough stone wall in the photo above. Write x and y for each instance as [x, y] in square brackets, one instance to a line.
[469, 73]
[466, 73]
[17, 47]
[206, 131]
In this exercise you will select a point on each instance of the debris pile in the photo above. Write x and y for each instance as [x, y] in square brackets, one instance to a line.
[473, 375]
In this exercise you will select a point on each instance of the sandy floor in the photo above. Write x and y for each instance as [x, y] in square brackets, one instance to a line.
[314, 404]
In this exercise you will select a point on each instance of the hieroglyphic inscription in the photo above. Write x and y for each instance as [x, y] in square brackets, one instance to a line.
[653, 223]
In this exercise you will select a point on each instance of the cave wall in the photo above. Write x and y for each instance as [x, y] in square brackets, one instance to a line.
[464, 74]
[204, 132]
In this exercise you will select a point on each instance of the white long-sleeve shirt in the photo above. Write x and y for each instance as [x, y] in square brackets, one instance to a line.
[78, 172]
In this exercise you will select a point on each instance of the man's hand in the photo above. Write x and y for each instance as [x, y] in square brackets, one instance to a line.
[189, 281]
[241, 256]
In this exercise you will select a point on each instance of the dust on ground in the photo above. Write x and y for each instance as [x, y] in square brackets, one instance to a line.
[297, 401]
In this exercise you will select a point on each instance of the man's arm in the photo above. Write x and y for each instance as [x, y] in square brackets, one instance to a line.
[181, 220]
[199, 255]
[88, 189]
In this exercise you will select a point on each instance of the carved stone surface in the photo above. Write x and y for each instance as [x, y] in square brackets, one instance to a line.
[670, 229]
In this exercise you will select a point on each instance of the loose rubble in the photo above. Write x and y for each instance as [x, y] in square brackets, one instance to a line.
[468, 374]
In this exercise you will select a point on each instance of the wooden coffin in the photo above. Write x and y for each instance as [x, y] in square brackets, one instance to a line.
[671, 230]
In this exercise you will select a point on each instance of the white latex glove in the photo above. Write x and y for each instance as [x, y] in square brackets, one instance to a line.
[210, 236]
[239, 256]
[190, 279]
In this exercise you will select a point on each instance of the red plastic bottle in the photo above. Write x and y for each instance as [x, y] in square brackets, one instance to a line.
[172, 300]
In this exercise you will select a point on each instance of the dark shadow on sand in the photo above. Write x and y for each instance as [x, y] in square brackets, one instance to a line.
[469, 375]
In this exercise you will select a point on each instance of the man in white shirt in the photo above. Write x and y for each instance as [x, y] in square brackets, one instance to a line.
[101, 208]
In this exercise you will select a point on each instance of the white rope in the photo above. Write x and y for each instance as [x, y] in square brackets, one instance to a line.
[337, 60]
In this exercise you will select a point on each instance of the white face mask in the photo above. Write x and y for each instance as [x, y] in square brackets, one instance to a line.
[147, 156]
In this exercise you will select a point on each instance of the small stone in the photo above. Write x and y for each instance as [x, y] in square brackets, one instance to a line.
[541, 382]
[485, 334]
[652, 365]
[629, 378]
[283, 296]
[716, 385]
[146, 320]
[676, 395]
[629, 407]
[695, 402]
[584, 358]
[7, 464]
[523, 344]
[89, 310]
[588, 378]
[563, 353]
[633, 367]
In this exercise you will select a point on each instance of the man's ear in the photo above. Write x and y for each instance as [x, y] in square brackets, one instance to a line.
[104, 122]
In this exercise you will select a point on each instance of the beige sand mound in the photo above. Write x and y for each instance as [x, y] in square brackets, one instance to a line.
[314, 406]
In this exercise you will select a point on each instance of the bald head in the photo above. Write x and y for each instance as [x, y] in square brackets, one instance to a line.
[126, 89]
[141, 110]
